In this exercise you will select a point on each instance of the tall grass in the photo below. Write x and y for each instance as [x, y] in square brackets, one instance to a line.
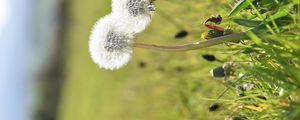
[265, 85]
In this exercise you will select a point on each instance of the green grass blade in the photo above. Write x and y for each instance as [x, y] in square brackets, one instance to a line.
[281, 13]
[238, 7]
[247, 22]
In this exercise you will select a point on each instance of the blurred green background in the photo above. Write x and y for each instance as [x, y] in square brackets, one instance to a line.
[154, 85]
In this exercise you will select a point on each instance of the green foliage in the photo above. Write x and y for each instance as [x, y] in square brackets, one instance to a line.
[247, 22]
[242, 4]
[271, 61]
[266, 83]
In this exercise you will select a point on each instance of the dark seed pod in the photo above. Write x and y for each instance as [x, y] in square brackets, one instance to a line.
[241, 94]
[215, 19]
[218, 72]
[214, 33]
[241, 88]
[262, 97]
[179, 69]
[214, 107]
[142, 64]
[218, 19]
[237, 118]
[209, 57]
[181, 34]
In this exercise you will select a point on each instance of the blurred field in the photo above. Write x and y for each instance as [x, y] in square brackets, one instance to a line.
[154, 85]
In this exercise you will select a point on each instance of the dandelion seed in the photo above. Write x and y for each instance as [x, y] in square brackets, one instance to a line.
[110, 48]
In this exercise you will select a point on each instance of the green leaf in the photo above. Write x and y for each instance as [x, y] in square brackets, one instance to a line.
[281, 13]
[254, 37]
[247, 22]
[242, 4]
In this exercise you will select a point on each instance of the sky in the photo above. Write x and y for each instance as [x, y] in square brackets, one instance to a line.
[26, 38]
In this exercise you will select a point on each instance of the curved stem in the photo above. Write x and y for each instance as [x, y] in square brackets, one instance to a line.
[194, 45]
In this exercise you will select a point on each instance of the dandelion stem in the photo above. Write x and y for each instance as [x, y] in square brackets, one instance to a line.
[194, 45]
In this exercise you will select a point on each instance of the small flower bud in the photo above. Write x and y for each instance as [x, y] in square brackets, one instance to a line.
[205, 36]
[218, 72]
[214, 33]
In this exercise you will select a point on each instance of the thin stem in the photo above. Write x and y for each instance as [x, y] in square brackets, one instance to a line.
[194, 45]
[169, 18]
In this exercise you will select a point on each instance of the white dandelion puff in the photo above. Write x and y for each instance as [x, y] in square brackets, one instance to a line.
[133, 8]
[140, 7]
[138, 13]
[109, 46]
[112, 37]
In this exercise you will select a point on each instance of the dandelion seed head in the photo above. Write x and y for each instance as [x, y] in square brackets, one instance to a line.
[112, 37]
[133, 8]
[140, 7]
[110, 47]
[115, 41]
[137, 13]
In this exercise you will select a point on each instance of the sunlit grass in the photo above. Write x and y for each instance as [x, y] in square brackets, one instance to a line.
[172, 86]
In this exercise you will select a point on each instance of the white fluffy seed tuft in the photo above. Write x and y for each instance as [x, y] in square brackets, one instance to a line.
[138, 13]
[133, 8]
[109, 47]
[111, 39]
